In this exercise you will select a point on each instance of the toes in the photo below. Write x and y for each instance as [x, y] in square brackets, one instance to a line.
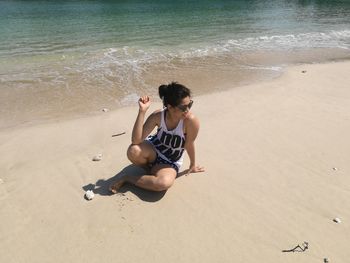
[115, 187]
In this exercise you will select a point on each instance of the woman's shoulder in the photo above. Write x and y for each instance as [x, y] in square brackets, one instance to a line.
[157, 112]
[156, 116]
[191, 120]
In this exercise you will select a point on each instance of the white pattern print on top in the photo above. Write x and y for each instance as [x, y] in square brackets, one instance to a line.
[169, 145]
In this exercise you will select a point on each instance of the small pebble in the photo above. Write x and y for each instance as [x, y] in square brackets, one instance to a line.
[304, 71]
[97, 158]
[105, 110]
[337, 220]
[89, 194]
[326, 260]
[335, 169]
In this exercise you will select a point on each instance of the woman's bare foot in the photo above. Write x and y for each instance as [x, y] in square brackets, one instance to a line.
[115, 186]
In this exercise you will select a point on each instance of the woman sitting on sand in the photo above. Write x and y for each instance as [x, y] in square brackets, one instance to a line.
[177, 129]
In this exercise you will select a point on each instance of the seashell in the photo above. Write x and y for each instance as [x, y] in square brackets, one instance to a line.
[97, 157]
[105, 110]
[337, 220]
[89, 194]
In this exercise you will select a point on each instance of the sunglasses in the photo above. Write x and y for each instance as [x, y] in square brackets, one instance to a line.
[185, 108]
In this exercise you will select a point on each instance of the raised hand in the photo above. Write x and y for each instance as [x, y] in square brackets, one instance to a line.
[144, 103]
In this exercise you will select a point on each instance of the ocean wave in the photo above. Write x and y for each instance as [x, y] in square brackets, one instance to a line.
[331, 39]
[135, 57]
[124, 67]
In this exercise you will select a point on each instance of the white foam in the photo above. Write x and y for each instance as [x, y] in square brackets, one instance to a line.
[273, 68]
[123, 68]
[129, 99]
[330, 39]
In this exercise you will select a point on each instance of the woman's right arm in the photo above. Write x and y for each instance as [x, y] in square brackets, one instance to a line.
[140, 130]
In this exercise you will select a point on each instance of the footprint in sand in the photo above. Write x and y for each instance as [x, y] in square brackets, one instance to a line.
[123, 200]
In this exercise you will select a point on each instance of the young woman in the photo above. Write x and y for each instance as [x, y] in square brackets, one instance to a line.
[177, 129]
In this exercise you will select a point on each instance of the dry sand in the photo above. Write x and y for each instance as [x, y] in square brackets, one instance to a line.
[269, 150]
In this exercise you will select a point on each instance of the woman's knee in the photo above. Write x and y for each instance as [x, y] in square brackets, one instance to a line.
[134, 153]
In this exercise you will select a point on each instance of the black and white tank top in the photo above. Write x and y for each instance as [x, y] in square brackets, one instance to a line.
[169, 145]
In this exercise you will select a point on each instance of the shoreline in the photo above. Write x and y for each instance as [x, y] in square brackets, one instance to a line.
[203, 80]
[276, 159]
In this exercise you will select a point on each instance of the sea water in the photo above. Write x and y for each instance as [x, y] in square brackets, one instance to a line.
[73, 57]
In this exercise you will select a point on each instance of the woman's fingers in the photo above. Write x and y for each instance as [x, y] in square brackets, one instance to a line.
[144, 99]
[196, 169]
[201, 169]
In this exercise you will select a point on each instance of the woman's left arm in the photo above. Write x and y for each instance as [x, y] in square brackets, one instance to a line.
[192, 128]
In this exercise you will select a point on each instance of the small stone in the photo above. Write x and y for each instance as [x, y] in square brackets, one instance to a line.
[335, 169]
[304, 71]
[97, 157]
[89, 194]
[326, 260]
[105, 110]
[337, 220]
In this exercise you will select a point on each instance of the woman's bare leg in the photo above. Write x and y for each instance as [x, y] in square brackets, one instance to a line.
[162, 178]
[141, 154]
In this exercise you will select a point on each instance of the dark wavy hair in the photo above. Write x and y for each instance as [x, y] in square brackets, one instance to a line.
[173, 93]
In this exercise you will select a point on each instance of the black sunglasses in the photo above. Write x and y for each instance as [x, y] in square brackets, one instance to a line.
[185, 108]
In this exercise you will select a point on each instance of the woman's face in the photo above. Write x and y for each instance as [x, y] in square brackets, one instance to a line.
[182, 110]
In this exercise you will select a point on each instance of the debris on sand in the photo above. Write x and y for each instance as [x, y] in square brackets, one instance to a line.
[89, 195]
[337, 220]
[97, 157]
[298, 248]
[118, 134]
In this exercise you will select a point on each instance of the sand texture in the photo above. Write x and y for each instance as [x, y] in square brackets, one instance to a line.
[277, 159]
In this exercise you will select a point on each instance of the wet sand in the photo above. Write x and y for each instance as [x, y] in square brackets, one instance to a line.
[65, 88]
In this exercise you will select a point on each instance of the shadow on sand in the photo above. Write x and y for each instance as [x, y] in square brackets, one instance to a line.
[101, 187]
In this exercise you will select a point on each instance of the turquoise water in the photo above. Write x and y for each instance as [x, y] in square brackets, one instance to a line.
[44, 27]
[57, 54]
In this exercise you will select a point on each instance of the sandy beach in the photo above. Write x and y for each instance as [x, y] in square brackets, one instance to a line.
[277, 164]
